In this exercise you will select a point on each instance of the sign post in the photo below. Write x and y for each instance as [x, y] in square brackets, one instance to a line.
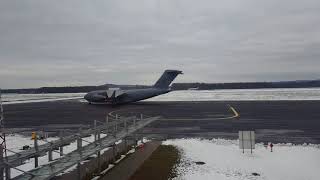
[246, 140]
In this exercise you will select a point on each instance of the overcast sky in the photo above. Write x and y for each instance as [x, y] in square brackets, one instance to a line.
[82, 42]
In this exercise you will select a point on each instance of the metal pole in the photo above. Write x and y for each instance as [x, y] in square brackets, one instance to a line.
[242, 142]
[2, 162]
[99, 153]
[79, 170]
[1, 109]
[50, 156]
[107, 124]
[95, 130]
[125, 143]
[141, 116]
[3, 149]
[36, 162]
[61, 147]
[125, 125]
[99, 162]
[115, 126]
[250, 143]
[134, 121]
[79, 144]
[8, 173]
[114, 146]
[117, 122]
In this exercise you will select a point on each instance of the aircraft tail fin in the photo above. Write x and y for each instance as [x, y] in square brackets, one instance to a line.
[167, 77]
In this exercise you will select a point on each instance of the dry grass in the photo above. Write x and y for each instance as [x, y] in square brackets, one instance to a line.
[160, 165]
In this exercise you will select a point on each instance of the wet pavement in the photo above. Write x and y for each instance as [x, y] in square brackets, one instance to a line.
[275, 121]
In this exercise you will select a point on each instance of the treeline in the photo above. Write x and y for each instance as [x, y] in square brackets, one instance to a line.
[70, 89]
[175, 86]
[246, 85]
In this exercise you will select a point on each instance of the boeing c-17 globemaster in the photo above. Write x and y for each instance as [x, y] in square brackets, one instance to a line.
[118, 96]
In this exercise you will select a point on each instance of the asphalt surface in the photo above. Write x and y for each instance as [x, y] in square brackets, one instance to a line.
[273, 121]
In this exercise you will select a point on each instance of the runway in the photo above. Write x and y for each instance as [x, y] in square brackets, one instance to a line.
[275, 121]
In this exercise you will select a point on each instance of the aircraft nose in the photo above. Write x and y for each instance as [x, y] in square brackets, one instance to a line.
[87, 97]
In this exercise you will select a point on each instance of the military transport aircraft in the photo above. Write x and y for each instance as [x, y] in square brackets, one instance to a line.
[118, 96]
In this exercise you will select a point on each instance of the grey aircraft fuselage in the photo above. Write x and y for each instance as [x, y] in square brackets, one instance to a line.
[127, 96]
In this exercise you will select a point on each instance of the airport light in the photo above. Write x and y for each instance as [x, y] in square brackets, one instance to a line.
[1, 109]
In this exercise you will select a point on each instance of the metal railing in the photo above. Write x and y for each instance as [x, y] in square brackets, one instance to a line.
[114, 128]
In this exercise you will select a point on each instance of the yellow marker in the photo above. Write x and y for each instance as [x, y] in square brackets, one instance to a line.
[33, 135]
[236, 114]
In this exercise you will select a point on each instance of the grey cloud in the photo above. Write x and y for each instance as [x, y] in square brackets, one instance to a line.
[78, 42]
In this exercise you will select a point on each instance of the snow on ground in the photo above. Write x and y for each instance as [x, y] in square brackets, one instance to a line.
[23, 97]
[241, 95]
[225, 161]
[41, 100]
[15, 142]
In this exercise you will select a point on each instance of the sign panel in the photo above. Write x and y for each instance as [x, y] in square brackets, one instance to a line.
[246, 140]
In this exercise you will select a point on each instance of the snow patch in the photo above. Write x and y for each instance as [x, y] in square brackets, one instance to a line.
[225, 161]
